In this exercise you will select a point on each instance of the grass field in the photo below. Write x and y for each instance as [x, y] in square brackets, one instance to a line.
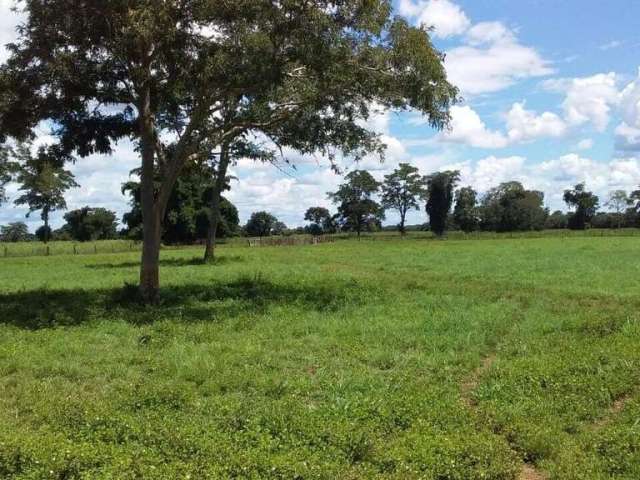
[452, 360]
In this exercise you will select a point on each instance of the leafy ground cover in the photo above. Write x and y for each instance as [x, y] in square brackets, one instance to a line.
[490, 359]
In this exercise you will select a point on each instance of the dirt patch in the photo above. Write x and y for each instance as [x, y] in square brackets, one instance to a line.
[613, 411]
[528, 472]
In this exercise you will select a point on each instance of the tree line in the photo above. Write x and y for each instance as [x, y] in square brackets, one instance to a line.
[361, 203]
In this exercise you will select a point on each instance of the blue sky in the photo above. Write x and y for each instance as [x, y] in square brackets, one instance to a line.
[551, 98]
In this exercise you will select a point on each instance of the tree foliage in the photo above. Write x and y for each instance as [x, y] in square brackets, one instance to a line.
[321, 221]
[261, 224]
[14, 232]
[90, 224]
[585, 204]
[43, 181]
[188, 209]
[357, 210]
[440, 187]
[510, 207]
[465, 213]
[402, 190]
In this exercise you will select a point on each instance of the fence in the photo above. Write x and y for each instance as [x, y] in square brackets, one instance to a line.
[288, 241]
[34, 249]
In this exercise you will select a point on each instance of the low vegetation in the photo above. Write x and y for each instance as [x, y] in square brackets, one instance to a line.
[392, 360]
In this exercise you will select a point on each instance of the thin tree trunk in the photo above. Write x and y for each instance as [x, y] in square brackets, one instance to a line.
[45, 217]
[151, 218]
[214, 215]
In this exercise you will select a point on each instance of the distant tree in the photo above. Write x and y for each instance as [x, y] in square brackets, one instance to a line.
[585, 204]
[465, 212]
[510, 207]
[44, 233]
[89, 224]
[321, 221]
[44, 181]
[260, 224]
[357, 211]
[188, 210]
[279, 228]
[14, 232]
[440, 186]
[558, 220]
[401, 190]
[618, 202]
[634, 200]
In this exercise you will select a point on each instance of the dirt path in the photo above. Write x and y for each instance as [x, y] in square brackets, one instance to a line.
[614, 410]
[528, 471]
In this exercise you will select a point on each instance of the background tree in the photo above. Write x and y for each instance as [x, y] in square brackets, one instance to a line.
[14, 232]
[401, 190]
[558, 220]
[321, 221]
[187, 215]
[440, 186]
[161, 74]
[279, 228]
[510, 207]
[260, 224]
[465, 212]
[357, 211]
[44, 182]
[618, 201]
[90, 224]
[585, 204]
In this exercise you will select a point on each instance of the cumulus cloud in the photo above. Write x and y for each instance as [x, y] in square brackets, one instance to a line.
[524, 125]
[445, 17]
[9, 20]
[493, 59]
[628, 132]
[585, 144]
[552, 176]
[468, 128]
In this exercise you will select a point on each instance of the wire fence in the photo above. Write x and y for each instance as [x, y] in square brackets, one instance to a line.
[35, 249]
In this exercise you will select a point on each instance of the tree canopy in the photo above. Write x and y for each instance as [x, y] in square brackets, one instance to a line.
[440, 187]
[357, 210]
[510, 207]
[43, 181]
[402, 190]
[262, 224]
[90, 224]
[585, 204]
[321, 221]
[303, 73]
[465, 213]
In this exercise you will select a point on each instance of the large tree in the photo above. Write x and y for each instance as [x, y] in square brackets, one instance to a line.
[321, 221]
[440, 187]
[261, 224]
[618, 202]
[402, 190]
[14, 232]
[90, 224]
[465, 212]
[510, 207]
[585, 204]
[159, 72]
[43, 181]
[357, 209]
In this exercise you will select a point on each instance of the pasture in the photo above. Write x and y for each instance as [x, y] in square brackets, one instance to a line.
[441, 360]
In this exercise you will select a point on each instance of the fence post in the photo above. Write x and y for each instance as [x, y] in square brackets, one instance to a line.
[95, 248]
[6, 251]
[47, 252]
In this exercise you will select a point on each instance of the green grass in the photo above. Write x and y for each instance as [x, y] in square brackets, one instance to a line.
[345, 360]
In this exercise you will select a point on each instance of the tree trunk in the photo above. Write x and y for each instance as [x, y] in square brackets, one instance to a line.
[151, 215]
[214, 215]
[45, 217]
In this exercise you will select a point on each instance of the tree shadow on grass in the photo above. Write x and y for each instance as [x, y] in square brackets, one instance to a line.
[215, 302]
[171, 262]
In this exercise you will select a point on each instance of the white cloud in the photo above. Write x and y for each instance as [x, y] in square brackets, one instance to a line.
[467, 127]
[445, 17]
[585, 144]
[524, 125]
[9, 20]
[610, 45]
[494, 59]
[628, 132]
[588, 99]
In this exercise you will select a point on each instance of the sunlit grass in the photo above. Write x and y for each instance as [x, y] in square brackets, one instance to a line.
[343, 360]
